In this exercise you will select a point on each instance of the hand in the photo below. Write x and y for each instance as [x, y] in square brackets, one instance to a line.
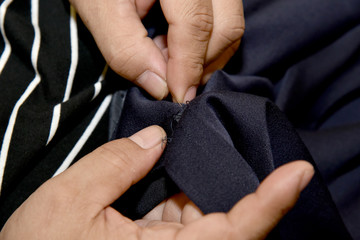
[202, 37]
[76, 203]
[253, 217]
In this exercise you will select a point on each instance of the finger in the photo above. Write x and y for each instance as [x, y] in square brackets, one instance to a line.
[122, 39]
[219, 63]
[161, 42]
[143, 7]
[255, 215]
[258, 213]
[178, 208]
[190, 27]
[141, 229]
[190, 213]
[169, 210]
[174, 207]
[229, 25]
[117, 226]
[105, 174]
[156, 213]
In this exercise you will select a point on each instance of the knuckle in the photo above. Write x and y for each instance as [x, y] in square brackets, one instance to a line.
[194, 67]
[124, 56]
[231, 30]
[121, 58]
[200, 22]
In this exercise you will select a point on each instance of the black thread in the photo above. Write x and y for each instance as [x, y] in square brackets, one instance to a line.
[174, 120]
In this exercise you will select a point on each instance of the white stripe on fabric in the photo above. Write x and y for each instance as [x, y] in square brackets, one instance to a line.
[73, 66]
[34, 83]
[55, 122]
[97, 89]
[7, 49]
[36, 45]
[98, 86]
[83, 139]
[74, 53]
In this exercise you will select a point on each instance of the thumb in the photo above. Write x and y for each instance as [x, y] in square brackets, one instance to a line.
[105, 174]
[258, 213]
[122, 39]
[190, 27]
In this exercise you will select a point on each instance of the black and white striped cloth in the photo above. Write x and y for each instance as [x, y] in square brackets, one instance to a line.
[55, 93]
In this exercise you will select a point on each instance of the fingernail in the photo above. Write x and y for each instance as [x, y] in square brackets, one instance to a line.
[153, 84]
[190, 94]
[308, 173]
[149, 137]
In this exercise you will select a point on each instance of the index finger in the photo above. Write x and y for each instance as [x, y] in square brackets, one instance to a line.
[123, 40]
[190, 27]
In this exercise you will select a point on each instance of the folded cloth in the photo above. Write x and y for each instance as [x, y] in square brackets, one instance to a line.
[220, 147]
[304, 57]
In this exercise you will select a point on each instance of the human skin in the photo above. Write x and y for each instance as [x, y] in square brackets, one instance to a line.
[76, 203]
[202, 37]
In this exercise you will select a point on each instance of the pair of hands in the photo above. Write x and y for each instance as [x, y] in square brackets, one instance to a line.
[202, 37]
[76, 203]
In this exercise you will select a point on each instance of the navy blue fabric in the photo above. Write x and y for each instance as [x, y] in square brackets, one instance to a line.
[304, 57]
[221, 147]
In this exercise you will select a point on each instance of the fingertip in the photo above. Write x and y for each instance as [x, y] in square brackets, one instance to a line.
[149, 137]
[290, 178]
[275, 196]
[300, 170]
[191, 213]
[308, 173]
[186, 96]
[190, 94]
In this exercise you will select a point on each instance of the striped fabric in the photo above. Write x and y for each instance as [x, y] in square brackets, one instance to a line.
[55, 95]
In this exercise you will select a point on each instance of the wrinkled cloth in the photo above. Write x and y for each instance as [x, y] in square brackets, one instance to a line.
[299, 56]
[221, 146]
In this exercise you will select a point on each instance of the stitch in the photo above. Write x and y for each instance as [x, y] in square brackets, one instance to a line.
[165, 141]
[174, 120]
[176, 117]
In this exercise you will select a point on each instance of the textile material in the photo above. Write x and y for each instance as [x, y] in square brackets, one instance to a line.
[304, 57]
[54, 96]
[221, 147]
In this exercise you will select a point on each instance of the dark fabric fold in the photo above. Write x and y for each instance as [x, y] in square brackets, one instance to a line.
[304, 57]
[222, 146]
